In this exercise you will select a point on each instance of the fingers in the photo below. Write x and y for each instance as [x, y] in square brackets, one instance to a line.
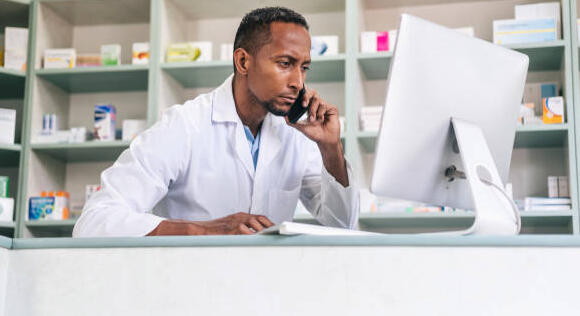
[255, 224]
[314, 104]
[265, 221]
[244, 230]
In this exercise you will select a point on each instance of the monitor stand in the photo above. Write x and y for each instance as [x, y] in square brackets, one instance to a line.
[495, 211]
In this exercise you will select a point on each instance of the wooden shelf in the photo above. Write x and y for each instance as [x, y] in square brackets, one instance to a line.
[83, 152]
[98, 79]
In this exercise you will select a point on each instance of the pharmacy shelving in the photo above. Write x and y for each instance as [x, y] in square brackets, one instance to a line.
[98, 79]
[349, 80]
[83, 152]
[575, 67]
[13, 13]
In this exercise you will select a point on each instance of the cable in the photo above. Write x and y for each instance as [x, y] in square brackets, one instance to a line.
[510, 200]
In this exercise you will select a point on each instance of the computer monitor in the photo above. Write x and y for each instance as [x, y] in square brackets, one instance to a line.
[452, 101]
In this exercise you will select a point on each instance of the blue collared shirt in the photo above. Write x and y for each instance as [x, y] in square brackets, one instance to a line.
[254, 144]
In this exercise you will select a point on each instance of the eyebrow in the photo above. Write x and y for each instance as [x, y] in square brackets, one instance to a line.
[292, 58]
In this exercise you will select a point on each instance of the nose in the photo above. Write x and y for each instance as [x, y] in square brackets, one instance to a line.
[297, 79]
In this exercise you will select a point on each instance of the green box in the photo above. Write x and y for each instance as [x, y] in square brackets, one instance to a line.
[4, 186]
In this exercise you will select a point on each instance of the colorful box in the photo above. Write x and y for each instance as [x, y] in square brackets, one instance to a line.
[188, 52]
[60, 58]
[539, 11]
[553, 110]
[105, 117]
[507, 32]
[140, 53]
[40, 207]
[111, 55]
[88, 60]
[374, 42]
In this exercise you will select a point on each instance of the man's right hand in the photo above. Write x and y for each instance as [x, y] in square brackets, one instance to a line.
[235, 224]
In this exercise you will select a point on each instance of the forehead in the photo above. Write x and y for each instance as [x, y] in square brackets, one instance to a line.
[288, 38]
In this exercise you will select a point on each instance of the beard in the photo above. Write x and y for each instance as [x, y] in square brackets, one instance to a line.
[269, 105]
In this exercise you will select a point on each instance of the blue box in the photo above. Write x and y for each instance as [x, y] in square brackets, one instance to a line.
[507, 32]
[40, 207]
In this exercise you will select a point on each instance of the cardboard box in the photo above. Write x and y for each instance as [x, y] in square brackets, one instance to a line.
[7, 126]
[15, 48]
[539, 11]
[140, 53]
[553, 110]
[105, 117]
[60, 58]
[111, 55]
[507, 32]
[7, 209]
[324, 45]
[190, 51]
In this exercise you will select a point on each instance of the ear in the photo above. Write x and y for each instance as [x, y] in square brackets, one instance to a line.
[241, 61]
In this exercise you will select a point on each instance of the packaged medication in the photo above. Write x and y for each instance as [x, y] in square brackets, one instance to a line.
[40, 207]
[191, 51]
[4, 186]
[226, 52]
[527, 113]
[15, 47]
[538, 11]
[535, 92]
[553, 187]
[553, 110]
[6, 209]
[90, 189]
[7, 126]
[60, 58]
[524, 31]
[563, 187]
[131, 128]
[324, 45]
[105, 117]
[78, 135]
[374, 42]
[1, 50]
[50, 124]
[88, 60]
[111, 55]
[140, 53]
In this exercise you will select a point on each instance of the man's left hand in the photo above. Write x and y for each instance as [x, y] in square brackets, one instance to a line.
[322, 125]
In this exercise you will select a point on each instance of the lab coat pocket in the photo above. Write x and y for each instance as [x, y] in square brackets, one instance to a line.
[282, 204]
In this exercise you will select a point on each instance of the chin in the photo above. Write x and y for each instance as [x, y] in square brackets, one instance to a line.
[280, 110]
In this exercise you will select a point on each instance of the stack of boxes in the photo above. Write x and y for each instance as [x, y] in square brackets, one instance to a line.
[110, 56]
[533, 23]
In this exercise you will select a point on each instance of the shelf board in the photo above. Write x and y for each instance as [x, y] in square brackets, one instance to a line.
[545, 135]
[213, 73]
[83, 152]
[6, 224]
[98, 79]
[9, 155]
[51, 223]
[543, 57]
[459, 220]
[51, 228]
[11, 83]
[527, 136]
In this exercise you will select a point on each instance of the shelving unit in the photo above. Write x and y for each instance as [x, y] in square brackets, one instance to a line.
[348, 80]
[12, 90]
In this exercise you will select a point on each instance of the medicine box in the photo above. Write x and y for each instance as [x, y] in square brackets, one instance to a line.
[324, 45]
[105, 117]
[111, 55]
[507, 32]
[7, 126]
[4, 186]
[6, 209]
[40, 207]
[553, 112]
[88, 60]
[15, 47]
[539, 11]
[140, 53]
[190, 51]
[374, 42]
[60, 58]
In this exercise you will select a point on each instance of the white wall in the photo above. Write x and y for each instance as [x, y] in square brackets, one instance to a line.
[294, 281]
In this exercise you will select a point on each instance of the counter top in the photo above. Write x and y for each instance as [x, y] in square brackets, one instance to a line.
[297, 241]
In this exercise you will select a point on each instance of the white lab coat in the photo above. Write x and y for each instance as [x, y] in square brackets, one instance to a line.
[195, 164]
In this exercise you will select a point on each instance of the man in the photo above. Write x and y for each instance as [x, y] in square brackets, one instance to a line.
[229, 162]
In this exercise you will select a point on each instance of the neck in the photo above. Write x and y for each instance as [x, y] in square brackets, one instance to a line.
[251, 113]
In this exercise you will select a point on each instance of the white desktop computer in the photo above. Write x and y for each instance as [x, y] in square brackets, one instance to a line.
[448, 125]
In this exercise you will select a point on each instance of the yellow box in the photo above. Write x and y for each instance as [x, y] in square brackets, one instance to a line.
[553, 110]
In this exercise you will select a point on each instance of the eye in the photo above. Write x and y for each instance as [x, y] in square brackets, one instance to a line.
[284, 63]
[306, 68]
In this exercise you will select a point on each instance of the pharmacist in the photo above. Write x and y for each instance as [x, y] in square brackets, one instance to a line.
[229, 162]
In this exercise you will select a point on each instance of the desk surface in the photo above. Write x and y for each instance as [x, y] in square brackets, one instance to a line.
[297, 241]
[5, 242]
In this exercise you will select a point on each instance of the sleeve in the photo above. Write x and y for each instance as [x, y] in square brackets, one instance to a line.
[137, 181]
[325, 198]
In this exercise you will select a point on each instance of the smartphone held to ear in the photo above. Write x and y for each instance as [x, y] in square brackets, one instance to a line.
[297, 110]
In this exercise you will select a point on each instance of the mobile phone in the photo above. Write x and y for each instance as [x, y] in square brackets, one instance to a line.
[297, 110]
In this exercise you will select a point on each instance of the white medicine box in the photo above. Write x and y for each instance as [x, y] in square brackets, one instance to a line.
[7, 126]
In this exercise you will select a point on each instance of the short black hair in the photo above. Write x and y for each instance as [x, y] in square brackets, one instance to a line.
[254, 30]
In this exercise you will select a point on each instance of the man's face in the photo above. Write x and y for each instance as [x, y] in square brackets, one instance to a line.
[279, 68]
